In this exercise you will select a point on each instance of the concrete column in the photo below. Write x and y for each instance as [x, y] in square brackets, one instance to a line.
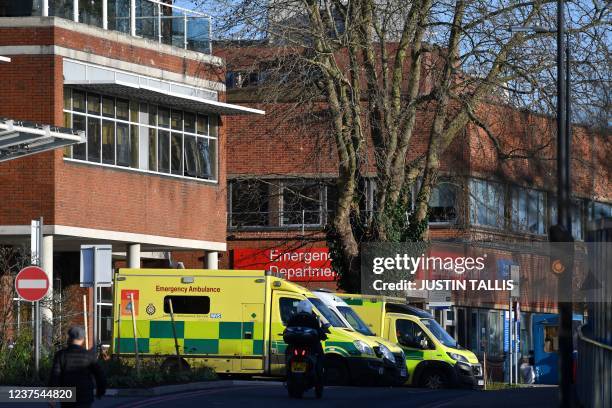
[212, 260]
[47, 265]
[133, 256]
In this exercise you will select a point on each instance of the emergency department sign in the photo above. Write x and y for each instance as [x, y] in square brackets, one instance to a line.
[298, 265]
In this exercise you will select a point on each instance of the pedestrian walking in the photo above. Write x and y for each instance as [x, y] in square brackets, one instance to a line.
[78, 367]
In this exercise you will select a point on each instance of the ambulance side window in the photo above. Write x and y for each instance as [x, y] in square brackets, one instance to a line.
[409, 333]
[287, 307]
[187, 304]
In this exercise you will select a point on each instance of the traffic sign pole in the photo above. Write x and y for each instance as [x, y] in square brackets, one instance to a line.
[32, 284]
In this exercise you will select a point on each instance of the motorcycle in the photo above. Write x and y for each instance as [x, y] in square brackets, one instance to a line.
[301, 361]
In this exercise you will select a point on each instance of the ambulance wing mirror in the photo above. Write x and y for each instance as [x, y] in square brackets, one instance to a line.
[326, 327]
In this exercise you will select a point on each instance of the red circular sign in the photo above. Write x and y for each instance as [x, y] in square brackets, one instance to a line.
[32, 283]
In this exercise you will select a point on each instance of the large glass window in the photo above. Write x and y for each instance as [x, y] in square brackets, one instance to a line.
[301, 204]
[576, 217]
[90, 12]
[528, 211]
[120, 131]
[600, 211]
[249, 202]
[274, 203]
[487, 203]
[442, 203]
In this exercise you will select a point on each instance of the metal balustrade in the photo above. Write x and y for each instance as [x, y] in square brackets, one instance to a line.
[160, 21]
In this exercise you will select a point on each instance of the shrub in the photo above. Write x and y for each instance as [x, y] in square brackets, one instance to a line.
[17, 363]
[121, 373]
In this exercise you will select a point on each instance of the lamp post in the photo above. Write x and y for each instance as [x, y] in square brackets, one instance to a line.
[562, 232]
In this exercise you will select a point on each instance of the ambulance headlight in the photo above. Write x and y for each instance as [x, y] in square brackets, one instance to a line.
[386, 353]
[458, 357]
[363, 347]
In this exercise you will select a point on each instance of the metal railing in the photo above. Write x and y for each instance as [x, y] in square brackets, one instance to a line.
[156, 20]
[593, 372]
[278, 219]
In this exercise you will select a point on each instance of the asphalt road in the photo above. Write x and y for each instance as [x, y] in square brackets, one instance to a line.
[270, 394]
[275, 395]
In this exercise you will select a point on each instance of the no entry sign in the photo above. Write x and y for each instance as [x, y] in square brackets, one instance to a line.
[32, 283]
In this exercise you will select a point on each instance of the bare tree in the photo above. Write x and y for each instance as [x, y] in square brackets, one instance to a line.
[378, 64]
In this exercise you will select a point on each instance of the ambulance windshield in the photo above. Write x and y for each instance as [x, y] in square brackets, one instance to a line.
[355, 321]
[333, 319]
[438, 331]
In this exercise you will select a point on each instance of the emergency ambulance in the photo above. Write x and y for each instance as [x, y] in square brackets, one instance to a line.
[229, 320]
[393, 355]
[433, 357]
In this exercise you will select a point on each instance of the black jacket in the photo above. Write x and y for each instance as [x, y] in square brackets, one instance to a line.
[310, 320]
[77, 367]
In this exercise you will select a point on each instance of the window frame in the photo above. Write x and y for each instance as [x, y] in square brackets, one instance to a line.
[304, 184]
[472, 200]
[515, 223]
[144, 132]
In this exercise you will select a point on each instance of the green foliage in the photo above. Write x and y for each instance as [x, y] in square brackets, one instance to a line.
[121, 373]
[398, 224]
[17, 363]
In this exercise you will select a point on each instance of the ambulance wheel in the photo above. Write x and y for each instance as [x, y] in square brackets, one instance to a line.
[434, 379]
[336, 372]
[174, 365]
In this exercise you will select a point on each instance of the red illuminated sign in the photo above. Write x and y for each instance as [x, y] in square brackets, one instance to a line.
[298, 265]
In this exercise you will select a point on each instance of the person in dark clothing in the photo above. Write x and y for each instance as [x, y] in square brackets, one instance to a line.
[305, 317]
[77, 367]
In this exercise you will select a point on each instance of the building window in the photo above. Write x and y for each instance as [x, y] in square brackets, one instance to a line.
[600, 211]
[143, 136]
[280, 204]
[249, 203]
[301, 203]
[442, 203]
[576, 215]
[528, 210]
[238, 79]
[487, 203]
[576, 211]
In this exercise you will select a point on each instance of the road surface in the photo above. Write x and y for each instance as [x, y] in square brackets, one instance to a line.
[271, 394]
[274, 395]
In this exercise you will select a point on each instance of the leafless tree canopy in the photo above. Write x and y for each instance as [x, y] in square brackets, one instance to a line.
[378, 63]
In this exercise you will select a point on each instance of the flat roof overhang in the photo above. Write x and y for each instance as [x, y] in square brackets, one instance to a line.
[22, 138]
[161, 97]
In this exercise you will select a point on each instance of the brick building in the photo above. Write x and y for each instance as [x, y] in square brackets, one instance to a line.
[141, 82]
[278, 207]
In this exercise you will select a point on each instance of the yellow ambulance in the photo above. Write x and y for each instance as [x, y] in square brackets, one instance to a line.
[230, 320]
[433, 357]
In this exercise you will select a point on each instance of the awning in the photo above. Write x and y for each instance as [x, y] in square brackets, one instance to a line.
[162, 97]
[19, 138]
[158, 91]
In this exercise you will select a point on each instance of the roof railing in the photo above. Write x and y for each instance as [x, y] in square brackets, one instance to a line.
[160, 21]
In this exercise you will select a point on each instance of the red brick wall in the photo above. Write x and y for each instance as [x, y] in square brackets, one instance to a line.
[111, 49]
[28, 92]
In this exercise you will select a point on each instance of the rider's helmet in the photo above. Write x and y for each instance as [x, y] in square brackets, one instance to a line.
[304, 306]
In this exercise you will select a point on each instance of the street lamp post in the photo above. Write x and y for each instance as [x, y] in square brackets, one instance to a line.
[562, 232]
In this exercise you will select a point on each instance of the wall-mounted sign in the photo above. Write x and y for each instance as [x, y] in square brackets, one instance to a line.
[298, 265]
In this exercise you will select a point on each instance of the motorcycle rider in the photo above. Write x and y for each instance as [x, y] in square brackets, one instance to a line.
[305, 317]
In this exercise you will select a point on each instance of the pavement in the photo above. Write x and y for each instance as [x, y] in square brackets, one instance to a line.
[243, 394]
